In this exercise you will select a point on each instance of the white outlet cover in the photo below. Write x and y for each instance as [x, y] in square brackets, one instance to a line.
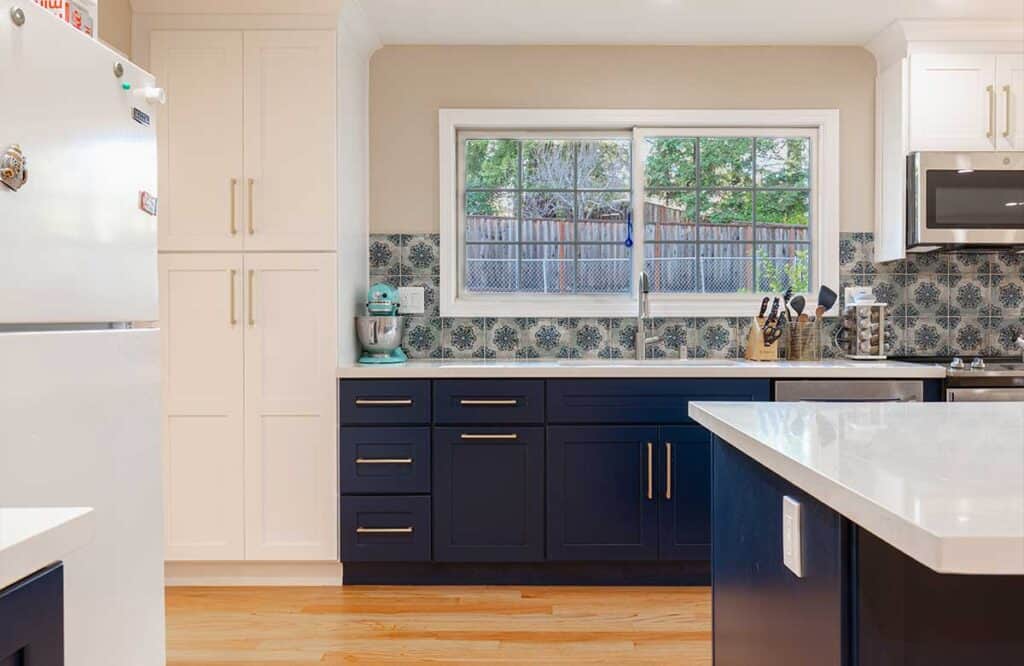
[411, 300]
[792, 537]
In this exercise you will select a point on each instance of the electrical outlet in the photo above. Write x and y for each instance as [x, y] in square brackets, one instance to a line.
[792, 537]
[411, 300]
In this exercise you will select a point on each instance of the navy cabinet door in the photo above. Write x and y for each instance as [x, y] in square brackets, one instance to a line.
[488, 494]
[684, 516]
[599, 507]
[32, 620]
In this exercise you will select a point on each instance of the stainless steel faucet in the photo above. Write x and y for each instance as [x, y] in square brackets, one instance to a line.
[642, 315]
[1020, 345]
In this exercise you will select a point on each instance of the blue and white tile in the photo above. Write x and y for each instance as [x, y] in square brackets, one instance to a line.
[674, 333]
[717, 338]
[1004, 338]
[928, 294]
[544, 336]
[590, 337]
[421, 254]
[422, 337]
[991, 317]
[385, 255]
[431, 292]
[967, 337]
[621, 338]
[464, 337]
[1009, 295]
[970, 295]
[504, 338]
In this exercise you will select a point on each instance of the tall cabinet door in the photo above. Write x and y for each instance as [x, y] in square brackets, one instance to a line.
[199, 138]
[952, 101]
[602, 493]
[201, 349]
[291, 492]
[1010, 111]
[684, 493]
[290, 140]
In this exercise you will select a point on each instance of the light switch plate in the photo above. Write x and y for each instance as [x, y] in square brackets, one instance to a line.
[410, 300]
[792, 537]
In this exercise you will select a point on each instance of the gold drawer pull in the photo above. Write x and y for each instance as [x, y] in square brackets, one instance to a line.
[383, 530]
[366, 401]
[473, 436]
[383, 461]
[489, 403]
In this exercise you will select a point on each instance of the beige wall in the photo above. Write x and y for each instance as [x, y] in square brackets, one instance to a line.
[116, 24]
[408, 84]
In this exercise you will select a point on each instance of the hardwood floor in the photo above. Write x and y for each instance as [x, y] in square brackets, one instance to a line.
[391, 625]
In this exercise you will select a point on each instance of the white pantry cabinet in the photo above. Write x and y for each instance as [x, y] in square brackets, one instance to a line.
[1010, 111]
[966, 101]
[249, 434]
[201, 356]
[291, 482]
[247, 139]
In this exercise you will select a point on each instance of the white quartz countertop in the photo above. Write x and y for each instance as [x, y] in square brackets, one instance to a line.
[941, 482]
[651, 368]
[33, 538]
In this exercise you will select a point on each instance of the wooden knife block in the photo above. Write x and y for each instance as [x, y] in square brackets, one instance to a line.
[757, 350]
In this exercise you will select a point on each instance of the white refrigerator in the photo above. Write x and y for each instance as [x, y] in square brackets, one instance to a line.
[79, 349]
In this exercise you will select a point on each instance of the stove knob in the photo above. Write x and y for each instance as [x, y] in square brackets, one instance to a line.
[978, 363]
[956, 364]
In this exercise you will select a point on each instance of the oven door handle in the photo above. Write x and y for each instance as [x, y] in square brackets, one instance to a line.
[985, 395]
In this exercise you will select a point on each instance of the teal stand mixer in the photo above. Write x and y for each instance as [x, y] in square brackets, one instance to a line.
[380, 330]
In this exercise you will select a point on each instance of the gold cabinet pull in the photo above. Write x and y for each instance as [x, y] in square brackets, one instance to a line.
[488, 403]
[503, 436]
[668, 470]
[383, 461]
[252, 223]
[234, 186]
[991, 92]
[363, 402]
[252, 277]
[650, 470]
[383, 530]
[1006, 91]
[231, 290]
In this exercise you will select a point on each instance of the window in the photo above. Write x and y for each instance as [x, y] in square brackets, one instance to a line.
[718, 208]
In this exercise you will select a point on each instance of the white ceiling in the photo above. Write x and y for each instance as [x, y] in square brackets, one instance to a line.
[661, 21]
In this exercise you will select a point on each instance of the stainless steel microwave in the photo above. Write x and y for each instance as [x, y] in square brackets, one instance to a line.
[964, 200]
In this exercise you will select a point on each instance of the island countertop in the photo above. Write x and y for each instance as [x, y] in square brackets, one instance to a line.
[941, 482]
[33, 538]
[622, 368]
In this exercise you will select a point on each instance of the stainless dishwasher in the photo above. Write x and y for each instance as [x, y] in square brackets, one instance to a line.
[831, 390]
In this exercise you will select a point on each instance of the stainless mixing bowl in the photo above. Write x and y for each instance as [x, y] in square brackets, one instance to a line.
[380, 335]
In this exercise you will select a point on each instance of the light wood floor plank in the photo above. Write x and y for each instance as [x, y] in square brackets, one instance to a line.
[401, 625]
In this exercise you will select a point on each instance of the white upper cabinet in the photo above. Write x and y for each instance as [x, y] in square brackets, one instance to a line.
[199, 134]
[290, 140]
[247, 140]
[290, 429]
[1010, 105]
[952, 102]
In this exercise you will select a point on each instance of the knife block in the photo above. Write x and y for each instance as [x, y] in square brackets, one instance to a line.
[757, 350]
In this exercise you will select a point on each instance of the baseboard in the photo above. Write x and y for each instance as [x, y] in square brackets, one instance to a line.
[224, 574]
[519, 573]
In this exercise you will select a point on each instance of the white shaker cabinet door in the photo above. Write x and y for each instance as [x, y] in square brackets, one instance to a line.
[952, 102]
[201, 358]
[290, 140]
[1010, 108]
[199, 133]
[291, 487]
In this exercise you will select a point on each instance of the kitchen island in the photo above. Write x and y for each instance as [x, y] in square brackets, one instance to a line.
[906, 546]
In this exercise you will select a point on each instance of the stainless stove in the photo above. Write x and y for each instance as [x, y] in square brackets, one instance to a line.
[980, 379]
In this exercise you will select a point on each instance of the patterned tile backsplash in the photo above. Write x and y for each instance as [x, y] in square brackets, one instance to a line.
[939, 304]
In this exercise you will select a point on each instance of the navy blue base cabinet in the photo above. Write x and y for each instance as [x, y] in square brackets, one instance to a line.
[32, 620]
[488, 498]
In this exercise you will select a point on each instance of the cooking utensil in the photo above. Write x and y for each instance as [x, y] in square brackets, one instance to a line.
[826, 299]
[764, 308]
[798, 304]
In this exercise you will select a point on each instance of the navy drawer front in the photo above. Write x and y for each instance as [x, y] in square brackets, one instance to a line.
[385, 529]
[32, 619]
[488, 401]
[642, 400]
[385, 461]
[384, 402]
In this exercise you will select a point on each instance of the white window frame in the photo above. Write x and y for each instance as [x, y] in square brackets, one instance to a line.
[824, 123]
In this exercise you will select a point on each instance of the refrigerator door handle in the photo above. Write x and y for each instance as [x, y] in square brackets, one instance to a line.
[232, 318]
[252, 277]
[252, 223]
[234, 226]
